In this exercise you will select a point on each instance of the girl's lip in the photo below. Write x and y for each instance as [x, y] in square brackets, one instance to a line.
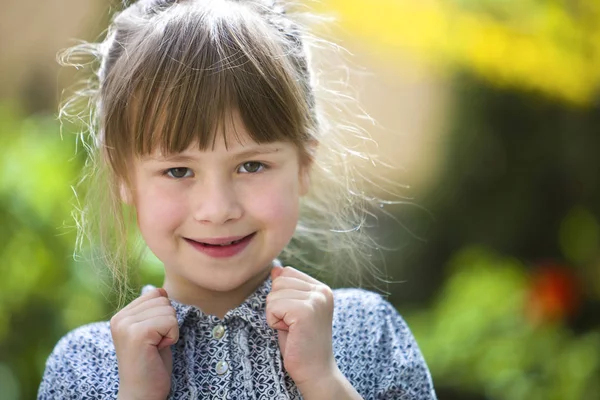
[222, 251]
[221, 240]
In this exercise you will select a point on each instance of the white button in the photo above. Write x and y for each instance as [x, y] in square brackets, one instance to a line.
[221, 367]
[218, 331]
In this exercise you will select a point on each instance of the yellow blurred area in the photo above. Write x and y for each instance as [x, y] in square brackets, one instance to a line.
[543, 48]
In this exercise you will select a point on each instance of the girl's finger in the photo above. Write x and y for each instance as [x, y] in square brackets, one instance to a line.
[276, 271]
[290, 294]
[152, 294]
[154, 312]
[161, 330]
[148, 304]
[288, 311]
[294, 273]
[276, 323]
[286, 282]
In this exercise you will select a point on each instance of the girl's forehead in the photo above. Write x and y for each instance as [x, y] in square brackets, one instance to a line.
[233, 149]
[228, 132]
[229, 136]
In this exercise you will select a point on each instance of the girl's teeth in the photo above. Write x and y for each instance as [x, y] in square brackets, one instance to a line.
[224, 244]
[230, 243]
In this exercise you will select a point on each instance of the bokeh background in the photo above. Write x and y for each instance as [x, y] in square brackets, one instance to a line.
[490, 107]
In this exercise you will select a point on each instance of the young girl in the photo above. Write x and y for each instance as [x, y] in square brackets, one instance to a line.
[210, 128]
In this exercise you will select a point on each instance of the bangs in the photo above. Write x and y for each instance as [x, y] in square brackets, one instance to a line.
[181, 83]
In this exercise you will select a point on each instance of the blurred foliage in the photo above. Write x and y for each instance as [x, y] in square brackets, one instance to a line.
[43, 291]
[516, 309]
[550, 46]
[478, 337]
[579, 236]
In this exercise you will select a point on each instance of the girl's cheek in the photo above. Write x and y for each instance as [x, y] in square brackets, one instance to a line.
[275, 199]
[160, 204]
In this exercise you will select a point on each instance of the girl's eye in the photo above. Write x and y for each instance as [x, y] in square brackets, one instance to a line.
[251, 167]
[180, 172]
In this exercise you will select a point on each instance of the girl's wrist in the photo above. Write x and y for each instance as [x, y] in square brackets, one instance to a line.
[332, 386]
[128, 395]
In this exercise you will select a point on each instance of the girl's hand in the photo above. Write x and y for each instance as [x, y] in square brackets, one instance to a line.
[300, 308]
[142, 333]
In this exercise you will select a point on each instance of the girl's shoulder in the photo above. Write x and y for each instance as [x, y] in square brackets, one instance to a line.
[375, 348]
[365, 319]
[82, 363]
[94, 338]
[359, 305]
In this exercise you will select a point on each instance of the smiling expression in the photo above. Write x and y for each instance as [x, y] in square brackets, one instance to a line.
[190, 206]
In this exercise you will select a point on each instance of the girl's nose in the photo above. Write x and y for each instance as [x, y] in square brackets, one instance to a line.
[216, 203]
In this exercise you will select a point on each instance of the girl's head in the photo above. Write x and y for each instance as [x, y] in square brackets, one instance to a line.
[207, 124]
[205, 88]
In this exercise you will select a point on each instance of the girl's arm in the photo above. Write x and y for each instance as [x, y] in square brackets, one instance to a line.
[402, 370]
[142, 334]
[59, 371]
[81, 366]
[301, 309]
[376, 350]
[334, 387]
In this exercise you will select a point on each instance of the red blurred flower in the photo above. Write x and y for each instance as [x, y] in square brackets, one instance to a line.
[554, 294]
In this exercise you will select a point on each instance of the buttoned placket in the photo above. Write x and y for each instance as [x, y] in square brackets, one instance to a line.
[226, 341]
[220, 338]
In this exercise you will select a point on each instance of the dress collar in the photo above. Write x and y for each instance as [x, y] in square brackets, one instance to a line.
[252, 311]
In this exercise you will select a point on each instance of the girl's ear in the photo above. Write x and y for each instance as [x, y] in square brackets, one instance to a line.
[304, 179]
[306, 167]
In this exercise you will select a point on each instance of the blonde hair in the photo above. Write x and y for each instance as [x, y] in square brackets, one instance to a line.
[197, 61]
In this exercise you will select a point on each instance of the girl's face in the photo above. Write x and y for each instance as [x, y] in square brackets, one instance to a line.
[190, 207]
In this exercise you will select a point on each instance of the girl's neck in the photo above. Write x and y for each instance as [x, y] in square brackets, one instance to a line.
[213, 302]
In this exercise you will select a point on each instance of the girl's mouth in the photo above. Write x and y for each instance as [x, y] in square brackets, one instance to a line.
[222, 247]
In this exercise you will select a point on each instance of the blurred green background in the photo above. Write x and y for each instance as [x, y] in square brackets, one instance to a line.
[491, 107]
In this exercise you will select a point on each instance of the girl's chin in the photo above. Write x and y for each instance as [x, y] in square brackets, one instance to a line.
[226, 277]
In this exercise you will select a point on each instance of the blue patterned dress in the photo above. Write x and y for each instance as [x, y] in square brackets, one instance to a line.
[238, 357]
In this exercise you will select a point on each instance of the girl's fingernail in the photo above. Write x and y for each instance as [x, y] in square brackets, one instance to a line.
[276, 271]
[163, 292]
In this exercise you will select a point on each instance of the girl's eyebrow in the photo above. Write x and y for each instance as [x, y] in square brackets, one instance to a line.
[169, 158]
[257, 152]
[184, 158]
